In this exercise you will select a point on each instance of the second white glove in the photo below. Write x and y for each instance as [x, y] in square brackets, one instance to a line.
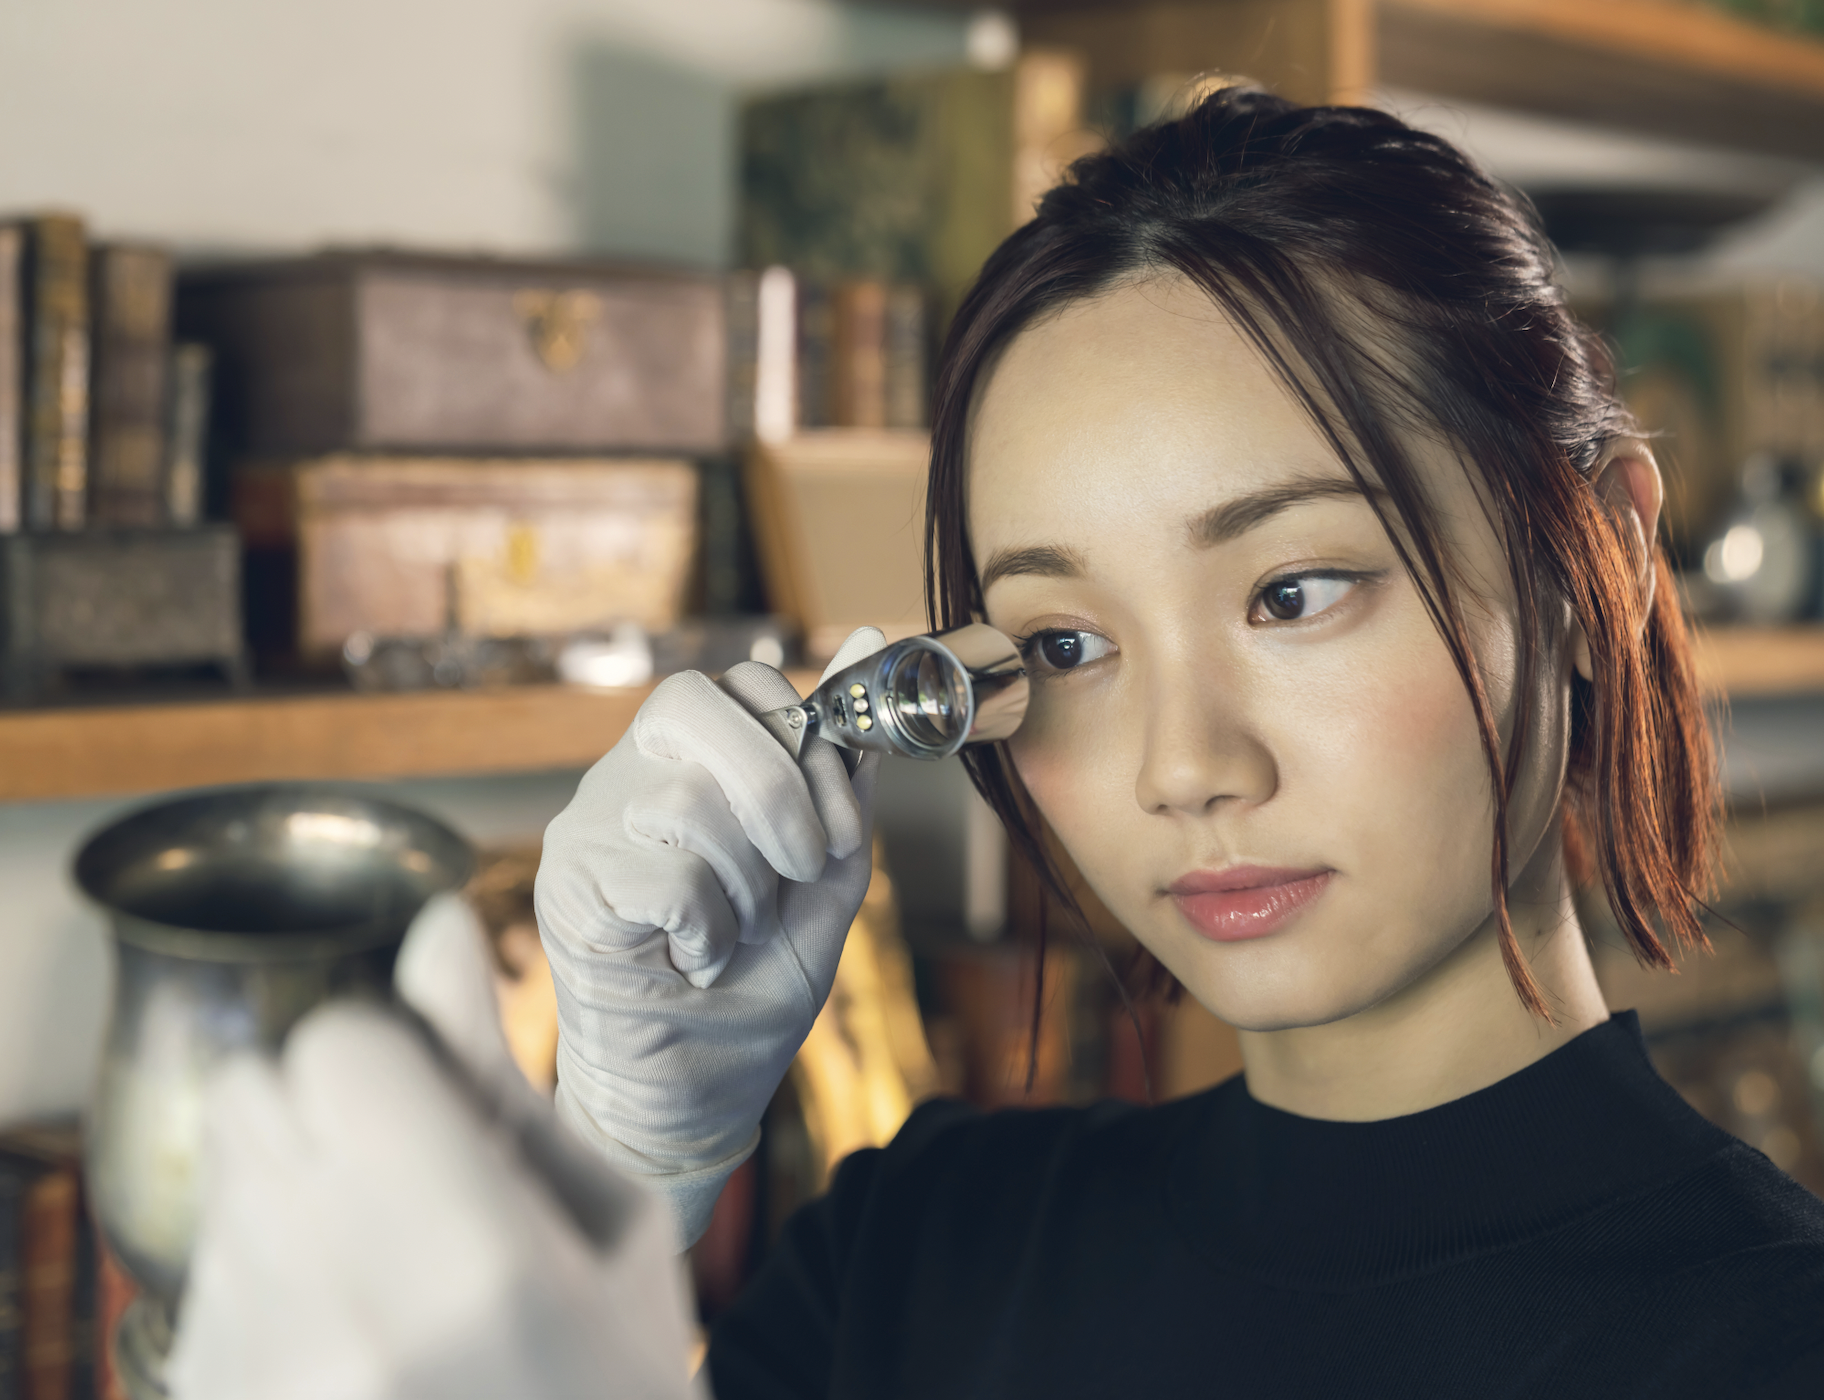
[693, 900]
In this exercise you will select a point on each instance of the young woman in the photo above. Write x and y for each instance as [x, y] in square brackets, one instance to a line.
[1331, 552]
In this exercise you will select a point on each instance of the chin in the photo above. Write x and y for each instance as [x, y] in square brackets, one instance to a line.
[1281, 989]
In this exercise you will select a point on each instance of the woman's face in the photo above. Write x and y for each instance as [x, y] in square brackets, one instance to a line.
[1244, 727]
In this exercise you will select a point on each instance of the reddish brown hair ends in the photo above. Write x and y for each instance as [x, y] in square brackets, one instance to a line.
[1302, 224]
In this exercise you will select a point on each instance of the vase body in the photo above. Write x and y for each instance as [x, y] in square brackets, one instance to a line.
[233, 913]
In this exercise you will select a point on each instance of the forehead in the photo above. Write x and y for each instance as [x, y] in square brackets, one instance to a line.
[1142, 399]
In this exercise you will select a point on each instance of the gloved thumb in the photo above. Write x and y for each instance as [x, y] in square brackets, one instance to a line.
[445, 974]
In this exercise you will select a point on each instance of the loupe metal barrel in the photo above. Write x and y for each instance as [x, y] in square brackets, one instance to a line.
[925, 697]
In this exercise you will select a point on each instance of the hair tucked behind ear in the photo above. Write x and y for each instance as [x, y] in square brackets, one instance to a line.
[1303, 225]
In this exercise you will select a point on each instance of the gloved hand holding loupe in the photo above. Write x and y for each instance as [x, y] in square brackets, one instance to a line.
[924, 697]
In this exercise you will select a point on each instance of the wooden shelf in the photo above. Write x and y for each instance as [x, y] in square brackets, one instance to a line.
[1670, 68]
[125, 749]
[1759, 661]
[1666, 67]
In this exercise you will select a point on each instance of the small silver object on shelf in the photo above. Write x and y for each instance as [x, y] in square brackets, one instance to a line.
[923, 697]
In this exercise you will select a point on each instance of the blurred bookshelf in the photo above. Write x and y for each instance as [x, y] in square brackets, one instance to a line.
[1744, 662]
[1666, 67]
[94, 750]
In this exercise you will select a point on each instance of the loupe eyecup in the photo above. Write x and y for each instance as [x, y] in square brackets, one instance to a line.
[922, 697]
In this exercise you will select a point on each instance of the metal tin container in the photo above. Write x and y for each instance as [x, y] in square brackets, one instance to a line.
[234, 913]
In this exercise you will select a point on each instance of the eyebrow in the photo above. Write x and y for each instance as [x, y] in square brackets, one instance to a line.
[1217, 525]
[1045, 561]
[1235, 518]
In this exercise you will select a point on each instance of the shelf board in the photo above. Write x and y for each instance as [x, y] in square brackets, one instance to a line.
[1761, 661]
[124, 749]
[1667, 67]
[1671, 68]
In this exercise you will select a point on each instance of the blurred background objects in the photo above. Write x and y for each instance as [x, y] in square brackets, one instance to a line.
[390, 394]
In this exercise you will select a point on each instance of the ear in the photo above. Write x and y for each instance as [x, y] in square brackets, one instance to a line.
[1627, 482]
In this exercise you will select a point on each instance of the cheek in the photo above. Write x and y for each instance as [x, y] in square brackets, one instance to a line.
[1399, 769]
[1076, 758]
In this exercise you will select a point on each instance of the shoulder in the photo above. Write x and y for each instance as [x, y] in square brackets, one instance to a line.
[956, 1178]
[1022, 1145]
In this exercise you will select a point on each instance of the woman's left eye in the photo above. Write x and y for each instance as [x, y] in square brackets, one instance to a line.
[1056, 650]
[1300, 596]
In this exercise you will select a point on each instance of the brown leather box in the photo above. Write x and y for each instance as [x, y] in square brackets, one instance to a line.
[415, 546]
[408, 353]
[117, 598]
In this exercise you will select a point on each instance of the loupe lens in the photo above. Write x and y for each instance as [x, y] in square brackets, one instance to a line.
[929, 697]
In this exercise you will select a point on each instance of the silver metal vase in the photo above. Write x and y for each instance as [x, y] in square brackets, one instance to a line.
[234, 912]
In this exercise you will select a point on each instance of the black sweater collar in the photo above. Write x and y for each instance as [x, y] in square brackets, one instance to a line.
[1314, 1203]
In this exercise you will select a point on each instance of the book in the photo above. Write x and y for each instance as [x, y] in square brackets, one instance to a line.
[741, 295]
[12, 374]
[909, 179]
[57, 373]
[114, 1293]
[858, 360]
[816, 354]
[53, 1264]
[130, 345]
[187, 433]
[907, 353]
[15, 1180]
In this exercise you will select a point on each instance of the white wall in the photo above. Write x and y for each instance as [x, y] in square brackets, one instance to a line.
[504, 125]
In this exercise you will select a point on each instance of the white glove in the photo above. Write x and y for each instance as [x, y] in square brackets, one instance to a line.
[373, 1228]
[693, 898]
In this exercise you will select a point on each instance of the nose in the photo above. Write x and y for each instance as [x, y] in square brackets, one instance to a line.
[1200, 749]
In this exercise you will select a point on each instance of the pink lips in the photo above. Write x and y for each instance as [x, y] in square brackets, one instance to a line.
[1245, 901]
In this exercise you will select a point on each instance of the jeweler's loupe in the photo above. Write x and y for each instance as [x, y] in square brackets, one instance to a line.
[924, 697]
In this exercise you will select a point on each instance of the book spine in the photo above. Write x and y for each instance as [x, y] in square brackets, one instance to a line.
[47, 1283]
[57, 375]
[816, 354]
[776, 355]
[82, 1307]
[130, 341]
[12, 375]
[15, 1180]
[907, 354]
[858, 378]
[192, 370]
[742, 294]
[114, 1292]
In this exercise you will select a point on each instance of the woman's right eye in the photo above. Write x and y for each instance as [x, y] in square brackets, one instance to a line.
[1056, 650]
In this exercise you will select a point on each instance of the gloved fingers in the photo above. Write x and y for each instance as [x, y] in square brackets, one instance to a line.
[380, 1114]
[863, 641]
[265, 1315]
[445, 974]
[665, 891]
[687, 811]
[844, 818]
[760, 688]
[689, 718]
[836, 792]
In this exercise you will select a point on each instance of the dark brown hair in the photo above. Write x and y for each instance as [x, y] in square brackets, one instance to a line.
[1302, 224]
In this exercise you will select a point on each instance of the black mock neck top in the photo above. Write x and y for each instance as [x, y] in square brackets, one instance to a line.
[1574, 1230]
